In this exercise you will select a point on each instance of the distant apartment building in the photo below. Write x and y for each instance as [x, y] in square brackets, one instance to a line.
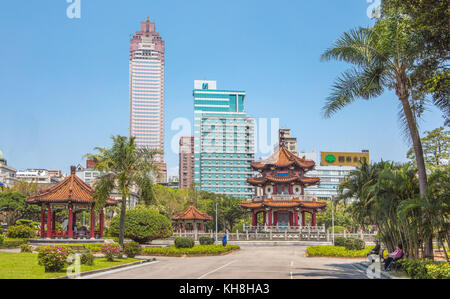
[332, 168]
[146, 98]
[38, 176]
[284, 135]
[223, 140]
[186, 162]
[7, 173]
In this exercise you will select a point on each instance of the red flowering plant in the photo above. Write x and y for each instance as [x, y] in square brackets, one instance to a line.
[110, 250]
[54, 257]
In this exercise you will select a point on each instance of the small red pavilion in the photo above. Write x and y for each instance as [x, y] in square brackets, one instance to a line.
[283, 181]
[190, 220]
[70, 194]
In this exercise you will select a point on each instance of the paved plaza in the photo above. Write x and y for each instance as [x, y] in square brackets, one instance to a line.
[251, 262]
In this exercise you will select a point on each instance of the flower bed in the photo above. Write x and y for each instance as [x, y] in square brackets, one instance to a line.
[337, 251]
[25, 266]
[196, 250]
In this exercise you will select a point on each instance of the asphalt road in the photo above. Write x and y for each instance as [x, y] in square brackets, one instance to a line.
[251, 262]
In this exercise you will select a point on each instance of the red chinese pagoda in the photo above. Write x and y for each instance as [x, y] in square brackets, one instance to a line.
[74, 195]
[283, 181]
[191, 220]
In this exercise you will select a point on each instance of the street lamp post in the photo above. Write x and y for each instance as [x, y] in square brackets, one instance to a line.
[216, 221]
[332, 218]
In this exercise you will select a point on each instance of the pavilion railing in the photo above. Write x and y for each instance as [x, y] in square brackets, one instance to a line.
[301, 233]
[281, 197]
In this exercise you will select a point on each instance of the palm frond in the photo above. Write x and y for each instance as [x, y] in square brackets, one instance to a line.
[353, 84]
[104, 185]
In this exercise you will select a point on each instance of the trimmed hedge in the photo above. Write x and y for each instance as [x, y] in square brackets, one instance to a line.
[337, 251]
[206, 241]
[142, 225]
[426, 269]
[87, 258]
[1, 239]
[196, 250]
[181, 242]
[21, 231]
[349, 243]
[354, 244]
[13, 242]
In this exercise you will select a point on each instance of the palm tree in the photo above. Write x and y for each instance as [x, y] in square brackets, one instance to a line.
[383, 57]
[124, 165]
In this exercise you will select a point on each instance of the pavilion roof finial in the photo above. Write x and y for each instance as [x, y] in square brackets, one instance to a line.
[148, 18]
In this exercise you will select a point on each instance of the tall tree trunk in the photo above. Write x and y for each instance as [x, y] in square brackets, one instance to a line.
[122, 224]
[402, 92]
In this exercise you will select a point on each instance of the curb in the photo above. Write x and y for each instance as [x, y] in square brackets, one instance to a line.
[143, 261]
[385, 275]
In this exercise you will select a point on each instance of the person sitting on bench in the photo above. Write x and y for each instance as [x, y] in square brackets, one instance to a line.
[375, 250]
[392, 257]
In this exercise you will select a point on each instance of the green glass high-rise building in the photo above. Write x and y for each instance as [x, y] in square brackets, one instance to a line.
[223, 140]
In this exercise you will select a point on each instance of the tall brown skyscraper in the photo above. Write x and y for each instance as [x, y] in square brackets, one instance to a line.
[186, 166]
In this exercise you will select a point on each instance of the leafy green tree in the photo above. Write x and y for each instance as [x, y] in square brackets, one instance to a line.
[13, 207]
[429, 19]
[384, 57]
[124, 165]
[142, 225]
[436, 146]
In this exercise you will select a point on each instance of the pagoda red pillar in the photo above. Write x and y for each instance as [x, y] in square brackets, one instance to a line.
[264, 215]
[295, 218]
[291, 220]
[101, 223]
[49, 222]
[274, 189]
[291, 189]
[303, 218]
[92, 222]
[42, 221]
[54, 221]
[70, 227]
[253, 218]
[275, 218]
[314, 222]
[270, 218]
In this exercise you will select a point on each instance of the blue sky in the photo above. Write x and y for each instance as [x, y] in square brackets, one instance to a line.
[64, 82]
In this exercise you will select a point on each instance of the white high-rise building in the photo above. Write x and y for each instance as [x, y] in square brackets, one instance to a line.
[146, 119]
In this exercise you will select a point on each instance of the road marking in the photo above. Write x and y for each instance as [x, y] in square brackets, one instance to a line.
[216, 269]
[117, 270]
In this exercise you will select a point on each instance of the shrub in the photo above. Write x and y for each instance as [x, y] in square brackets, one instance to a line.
[206, 241]
[132, 249]
[28, 222]
[142, 225]
[197, 249]
[337, 229]
[354, 244]
[181, 242]
[1, 239]
[25, 248]
[93, 247]
[13, 242]
[337, 251]
[110, 250]
[87, 258]
[53, 257]
[426, 269]
[339, 241]
[21, 231]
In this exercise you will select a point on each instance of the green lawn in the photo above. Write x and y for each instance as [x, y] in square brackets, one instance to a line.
[25, 266]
